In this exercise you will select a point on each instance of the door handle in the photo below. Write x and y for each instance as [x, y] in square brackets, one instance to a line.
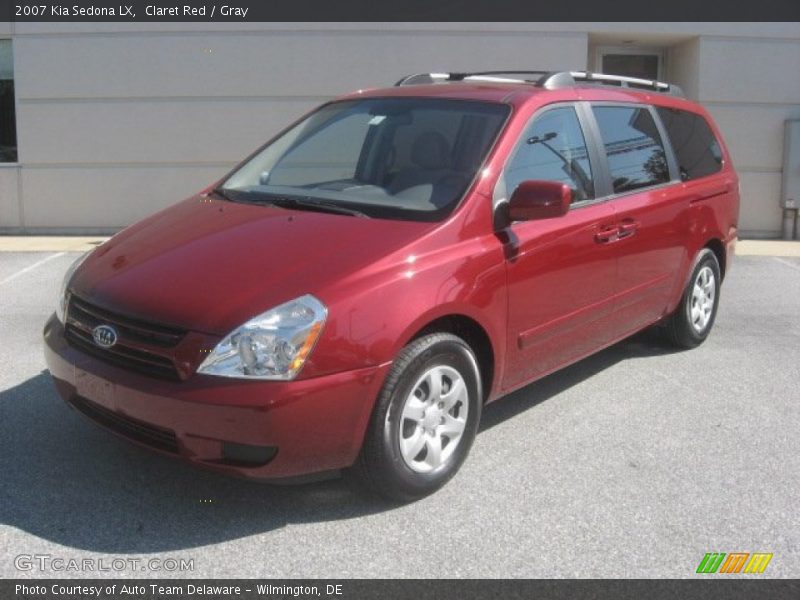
[607, 234]
[627, 228]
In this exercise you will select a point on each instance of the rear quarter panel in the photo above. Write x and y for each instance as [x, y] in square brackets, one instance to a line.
[713, 206]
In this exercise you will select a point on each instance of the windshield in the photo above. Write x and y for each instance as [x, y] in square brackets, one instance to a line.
[404, 158]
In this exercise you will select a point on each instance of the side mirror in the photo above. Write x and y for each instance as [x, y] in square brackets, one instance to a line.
[539, 200]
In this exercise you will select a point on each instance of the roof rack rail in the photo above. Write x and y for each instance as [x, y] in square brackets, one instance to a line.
[551, 80]
[573, 78]
[423, 78]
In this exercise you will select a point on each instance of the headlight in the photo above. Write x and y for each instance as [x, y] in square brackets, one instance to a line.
[61, 305]
[273, 345]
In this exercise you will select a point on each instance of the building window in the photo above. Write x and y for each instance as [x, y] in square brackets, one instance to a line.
[8, 121]
[631, 61]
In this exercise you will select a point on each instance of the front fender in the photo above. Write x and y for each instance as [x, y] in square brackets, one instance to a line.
[374, 315]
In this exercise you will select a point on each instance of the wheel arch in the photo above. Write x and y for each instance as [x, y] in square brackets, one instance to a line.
[718, 248]
[474, 334]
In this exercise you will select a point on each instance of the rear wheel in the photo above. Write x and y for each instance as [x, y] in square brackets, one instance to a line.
[692, 321]
[425, 419]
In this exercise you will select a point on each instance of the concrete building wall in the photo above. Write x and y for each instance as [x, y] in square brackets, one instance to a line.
[683, 66]
[751, 87]
[115, 121]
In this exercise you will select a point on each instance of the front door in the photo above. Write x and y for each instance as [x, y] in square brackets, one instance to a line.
[561, 271]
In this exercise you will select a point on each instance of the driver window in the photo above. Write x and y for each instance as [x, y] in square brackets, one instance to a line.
[553, 149]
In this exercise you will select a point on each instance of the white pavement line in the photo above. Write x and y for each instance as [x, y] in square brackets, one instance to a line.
[789, 264]
[35, 265]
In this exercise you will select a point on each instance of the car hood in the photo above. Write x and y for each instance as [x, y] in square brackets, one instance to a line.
[210, 265]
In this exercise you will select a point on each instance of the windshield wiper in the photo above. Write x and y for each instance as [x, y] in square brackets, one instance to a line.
[222, 194]
[309, 204]
[299, 203]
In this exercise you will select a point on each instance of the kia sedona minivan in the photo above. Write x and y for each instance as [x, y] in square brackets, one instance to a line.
[354, 293]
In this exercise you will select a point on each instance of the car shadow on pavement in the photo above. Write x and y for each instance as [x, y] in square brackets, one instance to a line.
[68, 481]
[646, 343]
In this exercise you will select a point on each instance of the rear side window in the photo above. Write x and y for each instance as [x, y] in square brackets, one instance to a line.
[634, 148]
[696, 149]
[553, 149]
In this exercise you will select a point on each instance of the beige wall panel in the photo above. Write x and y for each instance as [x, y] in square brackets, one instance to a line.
[683, 66]
[760, 211]
[754, 133]
[652, 32]
[750, 71]
[106, 197]
[151, 131]
[9, 200]
[267, 64]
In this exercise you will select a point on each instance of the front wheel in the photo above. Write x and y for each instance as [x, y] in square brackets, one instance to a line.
[692, 321]
[425, 419]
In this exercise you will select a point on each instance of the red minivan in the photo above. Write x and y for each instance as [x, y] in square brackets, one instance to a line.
[353, 293]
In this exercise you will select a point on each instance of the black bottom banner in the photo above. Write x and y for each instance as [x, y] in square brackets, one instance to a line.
[401, 589]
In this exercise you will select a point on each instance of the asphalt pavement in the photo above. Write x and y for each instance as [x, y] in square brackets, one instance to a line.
[632, 463]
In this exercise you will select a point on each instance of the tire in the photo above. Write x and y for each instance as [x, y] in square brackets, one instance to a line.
[692, 321]
[418, 439]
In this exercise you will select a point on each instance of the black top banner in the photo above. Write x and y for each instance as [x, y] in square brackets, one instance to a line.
[397, 10]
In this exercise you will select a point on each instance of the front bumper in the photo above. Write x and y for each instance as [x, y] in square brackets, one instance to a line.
[311, 425]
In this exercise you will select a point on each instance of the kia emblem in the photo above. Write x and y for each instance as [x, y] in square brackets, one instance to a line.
[104, 336]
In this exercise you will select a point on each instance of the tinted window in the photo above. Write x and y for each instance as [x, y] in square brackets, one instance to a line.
[696, 149]
[553, 149]
[635, 152]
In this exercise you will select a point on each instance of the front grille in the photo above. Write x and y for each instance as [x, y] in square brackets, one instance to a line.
[133, 330]
[155, 437]
[141, 346]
